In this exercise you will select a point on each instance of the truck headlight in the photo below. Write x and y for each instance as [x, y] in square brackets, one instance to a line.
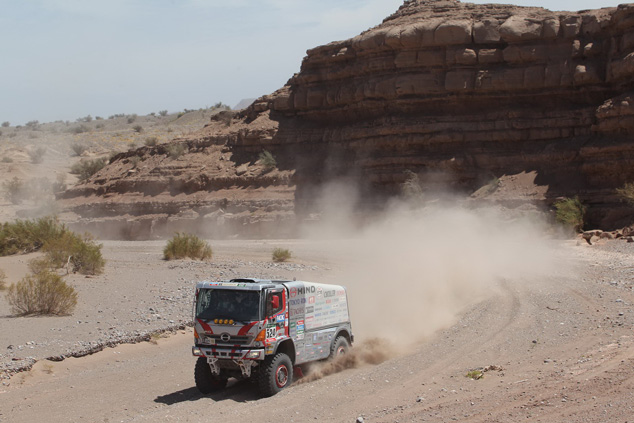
[197, 352]
[253, 354]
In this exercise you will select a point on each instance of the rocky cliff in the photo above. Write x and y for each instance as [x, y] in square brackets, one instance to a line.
[455, 93]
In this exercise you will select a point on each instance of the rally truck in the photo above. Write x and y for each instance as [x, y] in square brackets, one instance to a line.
[262, 329]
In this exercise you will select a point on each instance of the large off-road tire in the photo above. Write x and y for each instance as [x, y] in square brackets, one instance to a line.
[339, 347]
[205, 381]
[276, 373]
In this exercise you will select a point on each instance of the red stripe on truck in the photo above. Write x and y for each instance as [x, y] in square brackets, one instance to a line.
[246, 328]
[205, 326]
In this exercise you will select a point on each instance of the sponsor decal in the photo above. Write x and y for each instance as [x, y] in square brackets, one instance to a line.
[329, 294]
[302, 291]
[311, 299]
[320, 293]
[271, 332]
[297, 301]
[279, 318]
[310, 310]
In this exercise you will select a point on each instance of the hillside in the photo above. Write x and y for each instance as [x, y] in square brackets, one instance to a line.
[442, 96]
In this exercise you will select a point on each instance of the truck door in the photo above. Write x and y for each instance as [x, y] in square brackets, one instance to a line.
[276, 314]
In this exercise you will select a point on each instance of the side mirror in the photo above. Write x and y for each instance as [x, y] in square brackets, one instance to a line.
[275, 302]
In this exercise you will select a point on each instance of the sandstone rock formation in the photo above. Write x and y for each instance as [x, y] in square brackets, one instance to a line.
[456, 93]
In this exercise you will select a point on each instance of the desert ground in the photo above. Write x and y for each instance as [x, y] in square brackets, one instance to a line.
[550, 330]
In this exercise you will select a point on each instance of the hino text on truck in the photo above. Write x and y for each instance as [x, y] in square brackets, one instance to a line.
[260, 329]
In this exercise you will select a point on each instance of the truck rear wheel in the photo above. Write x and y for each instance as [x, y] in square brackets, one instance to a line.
[276, 373]
[205, 381]
[339, 347]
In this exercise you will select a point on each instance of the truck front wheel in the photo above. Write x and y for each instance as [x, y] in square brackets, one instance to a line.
[275, 374]
[205, 381]
[339, 347]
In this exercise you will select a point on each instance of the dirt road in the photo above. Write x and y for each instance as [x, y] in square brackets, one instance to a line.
[556, 349]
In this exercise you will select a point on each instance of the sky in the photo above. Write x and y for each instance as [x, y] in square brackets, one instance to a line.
[65, 59]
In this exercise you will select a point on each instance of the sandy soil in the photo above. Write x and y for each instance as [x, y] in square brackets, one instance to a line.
[555, 348]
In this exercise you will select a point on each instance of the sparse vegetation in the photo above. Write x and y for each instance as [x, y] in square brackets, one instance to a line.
[183, 245]
[80, 253]
[175, 150]
[86, 168]
[570, 212]
[32, 124]
[6, 124]
[3, 280]
[627, 193]
[137, 128]
[281, 255]
[132, 118]
[475, 374]
[151, 141]
[267, 160]
[42, 293]
[37, 155]
[78, 148]
[14, 190]
[26, 236]
[85, 119]
[411, 188]
[162, 112]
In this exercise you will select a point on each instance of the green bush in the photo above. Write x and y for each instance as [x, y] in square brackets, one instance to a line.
[267, 160]
[184, 245]
[175, 150]
[281, 254]
[37, 155]
[42, 293]
[78, 149]
[80, 254]
[84, 169]
[570, 212]
[627, 193]
[26, 236]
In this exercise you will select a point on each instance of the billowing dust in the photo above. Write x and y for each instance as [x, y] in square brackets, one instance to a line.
[414, 270]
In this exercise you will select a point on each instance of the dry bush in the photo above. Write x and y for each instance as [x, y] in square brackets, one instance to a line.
[77, 253]
[162, 112]
[37, 155]
[42, 293]
[184, 245]
[132, 118]
[137, 128]
[6, 124]
[570, 212]
[151, 141]
[267, 160]
[627, 193]
[281, 254]
[84, 169]
[175, 150]
[25, 236]
[3, 280]
[78, 149]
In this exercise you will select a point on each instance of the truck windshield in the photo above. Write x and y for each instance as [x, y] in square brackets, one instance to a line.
[228, 304]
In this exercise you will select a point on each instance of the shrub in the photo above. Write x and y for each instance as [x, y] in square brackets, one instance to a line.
[81, 254]
[281, 254]
[42, 293]
[137, 128]
[37, 155]
[132, 118]
[86, 168]
[79, 129]
[14, 190]
[162, 112]
[151, 141]
[267, 160]
[627, 193]
[85, 119]
[0, 133]
[570, 212]
[6, 159]
[33, 124]
[99, 126]
[78, 149]
[184, 245]
[474, 374]
[3, 281]
[175, 150]
[25, 236]
[6, 124]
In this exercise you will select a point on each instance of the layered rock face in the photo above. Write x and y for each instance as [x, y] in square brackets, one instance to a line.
[456, 93]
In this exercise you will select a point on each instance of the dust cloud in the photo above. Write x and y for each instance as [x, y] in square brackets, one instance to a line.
[414, 269]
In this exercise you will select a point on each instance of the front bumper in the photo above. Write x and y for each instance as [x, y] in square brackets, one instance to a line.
[228, 353]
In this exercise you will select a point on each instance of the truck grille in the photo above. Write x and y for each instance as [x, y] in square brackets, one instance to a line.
[231, 341]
